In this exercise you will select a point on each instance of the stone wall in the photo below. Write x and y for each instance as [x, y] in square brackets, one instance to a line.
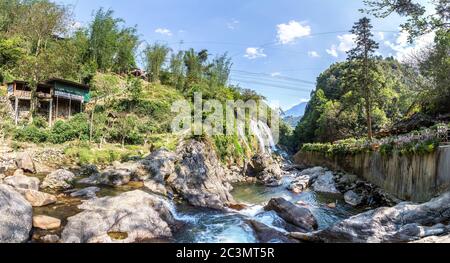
[416, 177]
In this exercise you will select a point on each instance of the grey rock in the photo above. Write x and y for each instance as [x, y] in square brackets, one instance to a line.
[325, 184]
[266, 234]
[353, 198]
[23, 182]
[60, 179]
[404, 222]
[15, 216]
[155, 187]
[298, 216]
[24, 162]
[159, 165]
[138, 214]
[200, 178]
[88, 192]
[435, 239]
[38, 199]
[50, 239]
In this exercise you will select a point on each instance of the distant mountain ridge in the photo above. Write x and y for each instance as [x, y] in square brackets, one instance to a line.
[294, 115]
[297, 110]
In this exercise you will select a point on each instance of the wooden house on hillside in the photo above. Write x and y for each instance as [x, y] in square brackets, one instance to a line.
[55, 98]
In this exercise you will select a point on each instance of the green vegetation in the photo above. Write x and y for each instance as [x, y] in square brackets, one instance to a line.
[83, 153]
[127, 107]
[417, 142]
[369, 93]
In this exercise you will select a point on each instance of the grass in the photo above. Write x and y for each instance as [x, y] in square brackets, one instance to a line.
[107, 154]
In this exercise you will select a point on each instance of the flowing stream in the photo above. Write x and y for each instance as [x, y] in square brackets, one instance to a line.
[207, 226]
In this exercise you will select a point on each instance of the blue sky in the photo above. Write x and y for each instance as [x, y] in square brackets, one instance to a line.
[278, 47]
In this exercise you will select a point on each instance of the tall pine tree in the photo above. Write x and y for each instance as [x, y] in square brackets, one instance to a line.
[363, 57]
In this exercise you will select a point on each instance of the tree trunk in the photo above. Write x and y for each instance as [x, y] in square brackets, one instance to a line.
[91, 124]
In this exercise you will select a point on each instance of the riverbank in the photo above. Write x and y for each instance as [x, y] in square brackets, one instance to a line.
[414, 177]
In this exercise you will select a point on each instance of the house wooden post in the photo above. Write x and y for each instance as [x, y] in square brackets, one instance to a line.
[50, 113]
[70, 107]
[16, 110]
[57, 103]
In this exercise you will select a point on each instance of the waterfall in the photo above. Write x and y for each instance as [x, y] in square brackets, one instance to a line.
[264, 135]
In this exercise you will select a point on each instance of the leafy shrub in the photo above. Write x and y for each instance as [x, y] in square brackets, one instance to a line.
[75, 128]
[31, 133]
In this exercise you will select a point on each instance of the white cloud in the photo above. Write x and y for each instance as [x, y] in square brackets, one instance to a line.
[288, 33]
[405, 50]
[333, 51]
[346, 42]
[254, 53]
[275, 74]
[233, 24]
[313, 54]
[163, 31]
[381, 35]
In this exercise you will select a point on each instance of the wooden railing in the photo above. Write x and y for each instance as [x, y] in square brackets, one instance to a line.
[43, 95]
[21, 94]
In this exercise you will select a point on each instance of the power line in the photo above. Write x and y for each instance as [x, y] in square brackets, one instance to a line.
[257, 74]
[279, 86]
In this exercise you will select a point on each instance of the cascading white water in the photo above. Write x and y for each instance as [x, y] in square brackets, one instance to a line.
[264, 135]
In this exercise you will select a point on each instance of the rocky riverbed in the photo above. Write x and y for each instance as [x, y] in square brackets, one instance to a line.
[188, 196]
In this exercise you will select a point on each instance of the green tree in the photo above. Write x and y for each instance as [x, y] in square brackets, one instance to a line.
[418, 21]
[219, 71]
[362, 56]
[177, 70]
[155, 57]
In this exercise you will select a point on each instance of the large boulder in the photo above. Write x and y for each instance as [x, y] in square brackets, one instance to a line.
[325, 184]
[25, 162]
[265, 169]
[298, 216]
[60, 179]
[38, 199]
[305, 179]
[200, 178]
[159, 165]
[266, 234]
[404, 222]
[46, 222]
[23, 182]
[138, 215]
[15, 216]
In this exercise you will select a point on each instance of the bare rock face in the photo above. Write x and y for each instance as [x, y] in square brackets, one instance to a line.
[156, 187]
[138, 215]
[200, 178]
[298, 216]
[404, 222]
[193, 172]
[46, 222]
[160, 165]
[15, 216]
[23, 182]
[24, 162]
[60, 179]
